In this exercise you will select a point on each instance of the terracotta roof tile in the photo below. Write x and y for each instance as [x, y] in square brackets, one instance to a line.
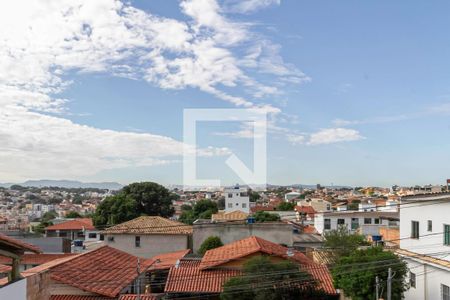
[167, 260]
[47, 266]
[79, 297]
[309, 210]
[5, 269]
[35, 259]
[77, 224]
[189, 278]
[244, 247]
[150, 225]
[323, 277]
[142, 297]
[230, 216]
[19, 245]
[105, 271]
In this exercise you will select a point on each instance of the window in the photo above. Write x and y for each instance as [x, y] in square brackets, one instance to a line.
[446, 234]
[230, 195]
[376, 221]
[367, 220]
[355, 223]
[414, 229]
[137, 241]
[230, 205]
[430, 225]
[445, 292]
[327, 224]
[80, 234]
[92, 235]
[102, 237]
[244, 205]
[237, 204]
[341, 221]
[63, 234]
[111, 239]
[412, 279]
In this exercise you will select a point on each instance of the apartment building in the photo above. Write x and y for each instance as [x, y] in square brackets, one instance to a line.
[236, 198]
[425, 245]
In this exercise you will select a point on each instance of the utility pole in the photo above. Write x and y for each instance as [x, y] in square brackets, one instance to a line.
[377, 287]
[389, 284]
[138, 280]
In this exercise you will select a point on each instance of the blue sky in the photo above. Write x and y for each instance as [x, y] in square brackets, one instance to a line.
[358, 92]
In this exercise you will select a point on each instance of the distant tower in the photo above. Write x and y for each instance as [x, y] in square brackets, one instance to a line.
[236, 198]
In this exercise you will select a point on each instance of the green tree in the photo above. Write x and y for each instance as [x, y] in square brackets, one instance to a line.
[134, 200]
[50, 215]
[356, 273]
[210, 243]
[286, 206]
[73, 215]
[253, 196]
[265, 280]
[342, 242]
[202, 209]
[152, 199]
[263, 216]
[354, 205]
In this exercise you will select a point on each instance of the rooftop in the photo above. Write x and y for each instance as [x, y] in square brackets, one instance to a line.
[79, 297]
[229, 216]
[150, 225]
[167, 260]
[17, 245]
[35, 259]
[76, 224]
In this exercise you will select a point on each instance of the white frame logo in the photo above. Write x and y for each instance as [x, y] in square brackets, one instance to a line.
[257, 118]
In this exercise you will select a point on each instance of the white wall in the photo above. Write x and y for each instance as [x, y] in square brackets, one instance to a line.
[14, 291]
[439, 214]
[319, 222]
[234, 201]
[432, 276]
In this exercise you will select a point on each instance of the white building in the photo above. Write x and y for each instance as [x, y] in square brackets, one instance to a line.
[425, 245]
[364, 222]
[292, 195]
[236, 198]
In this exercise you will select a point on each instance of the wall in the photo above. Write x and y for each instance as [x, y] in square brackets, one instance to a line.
[151, 245]
[430, 241]
[38, 286]
[319, 222]
[390, 234]
[16, 290]
[428, 281]
[280, 233]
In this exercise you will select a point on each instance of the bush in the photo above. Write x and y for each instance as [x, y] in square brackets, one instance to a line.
[263, 216]
[210, 243]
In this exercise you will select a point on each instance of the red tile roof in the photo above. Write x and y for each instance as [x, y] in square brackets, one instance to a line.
[105, 271]
[189, 278]
[309, 229]
[35, 259]
[262, 208]
[167, 260]
[77, 224]
[79, 297]
[5, 269]
[323, 277]
[309, 210]
[17, 244]
[150, 225]
[245, 247]
[142, 297]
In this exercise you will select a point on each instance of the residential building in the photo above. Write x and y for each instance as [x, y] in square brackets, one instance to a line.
[364, 222]
[317, 203]
[291, 196]
[149, 236]
[74, 229]
[220, 264]
[31, 260]
[223, 216]
[236, 198]
[425, 245]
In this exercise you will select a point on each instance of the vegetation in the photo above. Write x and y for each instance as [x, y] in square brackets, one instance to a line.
[342, 242]
[286, 206]
[263, 216]
[134, 200]
[264, 279]
[210, 243]
[73, 215]
[203, 209]
[253, 196]
[221, 203]
[354, 205]
[356, 273]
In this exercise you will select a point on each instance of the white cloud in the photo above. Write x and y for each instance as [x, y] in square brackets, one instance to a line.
[248, 6]
[296, 139]
[334, 135]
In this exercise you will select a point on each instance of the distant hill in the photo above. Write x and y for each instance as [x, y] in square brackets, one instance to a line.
[67, 184]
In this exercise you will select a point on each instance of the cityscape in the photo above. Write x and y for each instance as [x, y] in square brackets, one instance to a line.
[224, 149]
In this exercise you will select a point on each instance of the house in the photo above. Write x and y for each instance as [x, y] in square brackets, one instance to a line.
[31, 260]
[364, 222]
[149, 236]
[305, 213]
[425, 243]
[220, 264]
[14, 249]
[223, 216]
[236, 198]
[77, 229]
[317, 203]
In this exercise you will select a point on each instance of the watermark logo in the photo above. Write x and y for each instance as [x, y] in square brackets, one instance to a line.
[255, 117]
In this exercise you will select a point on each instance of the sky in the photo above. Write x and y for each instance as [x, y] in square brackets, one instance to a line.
[355, 92]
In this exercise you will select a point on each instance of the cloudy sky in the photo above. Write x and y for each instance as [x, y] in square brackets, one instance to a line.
[357, 92]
